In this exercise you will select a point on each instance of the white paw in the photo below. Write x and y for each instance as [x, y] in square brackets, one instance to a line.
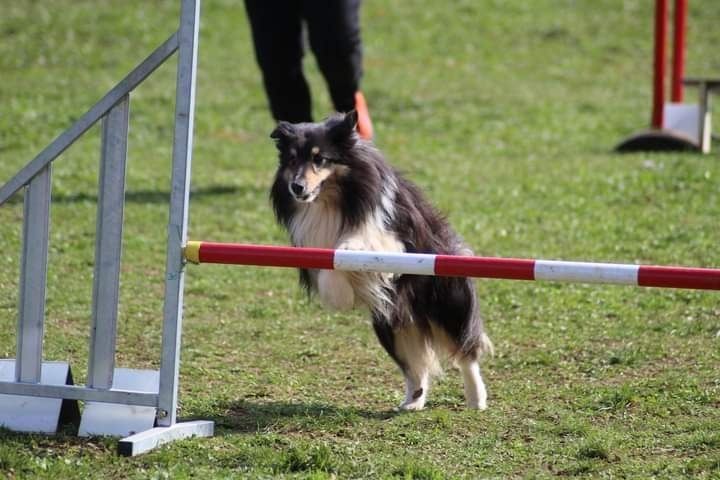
[414, 399]
[476, 404]
[411, 406]
[335, 290]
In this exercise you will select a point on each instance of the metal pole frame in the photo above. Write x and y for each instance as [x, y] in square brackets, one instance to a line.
[179, 205]
[36, 176]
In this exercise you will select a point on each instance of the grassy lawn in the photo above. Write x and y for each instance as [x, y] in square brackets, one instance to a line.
[506, 113]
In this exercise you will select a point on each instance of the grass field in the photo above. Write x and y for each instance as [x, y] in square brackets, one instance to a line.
[506, 113]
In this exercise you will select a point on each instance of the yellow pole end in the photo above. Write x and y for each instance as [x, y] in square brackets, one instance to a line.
[192, 252]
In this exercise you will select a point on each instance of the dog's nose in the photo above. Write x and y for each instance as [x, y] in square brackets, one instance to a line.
[297, 188]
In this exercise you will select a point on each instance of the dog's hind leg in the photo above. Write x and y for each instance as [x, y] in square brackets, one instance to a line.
[475, 393]
[417, 360]
[411, 352]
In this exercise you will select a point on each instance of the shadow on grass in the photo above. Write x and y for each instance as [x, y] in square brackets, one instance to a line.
[152, 196]
[250, 417]
[66, 438]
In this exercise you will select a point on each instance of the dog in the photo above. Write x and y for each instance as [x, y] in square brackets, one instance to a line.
[335, 190]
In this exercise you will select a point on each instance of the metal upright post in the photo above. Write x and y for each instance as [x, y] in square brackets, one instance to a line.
[704, 134]
[168, 429]
[179, 203]
[33, 278]
[108, 245]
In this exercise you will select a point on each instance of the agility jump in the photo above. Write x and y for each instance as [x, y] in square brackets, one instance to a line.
[142, 404]
[453, 266]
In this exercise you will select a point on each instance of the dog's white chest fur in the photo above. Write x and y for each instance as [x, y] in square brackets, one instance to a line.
[320, 224]
[316, 224]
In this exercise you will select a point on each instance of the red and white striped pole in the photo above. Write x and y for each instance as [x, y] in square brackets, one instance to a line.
[453, 266]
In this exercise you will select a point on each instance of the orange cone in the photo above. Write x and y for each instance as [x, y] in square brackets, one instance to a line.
[364, 125]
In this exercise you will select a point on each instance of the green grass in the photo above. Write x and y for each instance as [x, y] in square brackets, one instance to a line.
[505, 113]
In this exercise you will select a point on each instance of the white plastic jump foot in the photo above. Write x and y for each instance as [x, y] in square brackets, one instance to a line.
[120, 420]
[36, 414]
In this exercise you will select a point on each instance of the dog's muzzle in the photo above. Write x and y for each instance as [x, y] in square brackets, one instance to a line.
[299, 191]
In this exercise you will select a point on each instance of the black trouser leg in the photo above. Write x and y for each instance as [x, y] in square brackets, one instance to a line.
[334, 31]
[277, 34]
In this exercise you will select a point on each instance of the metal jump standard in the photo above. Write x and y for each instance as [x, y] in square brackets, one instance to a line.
[140, 405]
[674, 125]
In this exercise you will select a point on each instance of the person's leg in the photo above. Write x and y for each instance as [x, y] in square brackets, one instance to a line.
[277, 35]
[334, 31]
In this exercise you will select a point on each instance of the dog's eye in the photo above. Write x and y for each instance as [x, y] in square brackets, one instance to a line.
[319, 160]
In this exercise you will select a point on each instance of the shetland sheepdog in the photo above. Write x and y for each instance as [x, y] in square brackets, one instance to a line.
[335, 190]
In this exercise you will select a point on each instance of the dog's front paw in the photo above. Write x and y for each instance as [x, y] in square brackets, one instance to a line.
[335, 290]
[476, 399]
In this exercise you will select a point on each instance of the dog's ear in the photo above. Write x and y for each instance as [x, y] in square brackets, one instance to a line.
[284, 131]
[351, 120]
[343, 127]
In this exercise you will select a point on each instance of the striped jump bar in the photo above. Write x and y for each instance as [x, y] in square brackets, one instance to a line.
[453, 266]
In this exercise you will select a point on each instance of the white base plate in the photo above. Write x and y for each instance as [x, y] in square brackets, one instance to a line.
[136, 423]
[682, 117]
[119, 420]
[33, 414]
